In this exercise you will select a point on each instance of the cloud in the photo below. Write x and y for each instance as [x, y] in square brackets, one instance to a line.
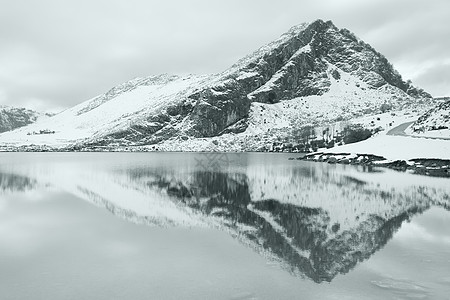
[2, 95]
[63, 52]
[437, 75]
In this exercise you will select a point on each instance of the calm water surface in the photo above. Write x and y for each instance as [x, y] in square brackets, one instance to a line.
[218, 226]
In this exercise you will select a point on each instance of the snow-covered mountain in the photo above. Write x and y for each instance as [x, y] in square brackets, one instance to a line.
[314, 73]
[12, 117]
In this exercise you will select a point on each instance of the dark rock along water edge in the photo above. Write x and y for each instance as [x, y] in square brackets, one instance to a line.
[422, 166]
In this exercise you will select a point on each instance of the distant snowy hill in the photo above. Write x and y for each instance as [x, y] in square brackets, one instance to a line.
[436, 118]
[12, 118]
[313, 74]
[434, 123]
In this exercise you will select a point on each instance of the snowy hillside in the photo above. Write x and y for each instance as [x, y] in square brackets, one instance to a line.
[315, 73]
[434, 123]
[131, 103]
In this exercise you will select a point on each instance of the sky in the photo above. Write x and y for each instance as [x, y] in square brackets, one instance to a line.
[57, 53]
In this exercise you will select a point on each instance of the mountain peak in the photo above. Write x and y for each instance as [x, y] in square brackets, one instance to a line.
[314, 73]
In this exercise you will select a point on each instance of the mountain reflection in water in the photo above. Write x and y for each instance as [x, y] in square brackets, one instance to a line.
[318, 220]
[302, 237]
[16, 183]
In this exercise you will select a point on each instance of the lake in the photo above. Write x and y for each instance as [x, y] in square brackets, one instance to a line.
[218, 226]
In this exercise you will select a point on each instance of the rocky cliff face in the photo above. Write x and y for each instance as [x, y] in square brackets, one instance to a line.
[297, 64]
[12, 118]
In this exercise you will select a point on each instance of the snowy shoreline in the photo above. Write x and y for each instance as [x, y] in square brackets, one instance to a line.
[420, 155]
[398, 147]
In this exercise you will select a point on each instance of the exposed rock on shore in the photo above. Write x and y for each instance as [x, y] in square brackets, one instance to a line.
[422, 166]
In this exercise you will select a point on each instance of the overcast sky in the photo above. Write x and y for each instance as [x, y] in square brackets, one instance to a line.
[57, 53]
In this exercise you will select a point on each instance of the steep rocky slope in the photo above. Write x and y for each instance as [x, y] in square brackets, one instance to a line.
[12, 118]
[313, 73]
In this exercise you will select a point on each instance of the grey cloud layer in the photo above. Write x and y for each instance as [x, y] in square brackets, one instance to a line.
[55, 54]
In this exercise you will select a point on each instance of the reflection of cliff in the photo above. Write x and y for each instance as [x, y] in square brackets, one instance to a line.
[304, 238]
[16, 183]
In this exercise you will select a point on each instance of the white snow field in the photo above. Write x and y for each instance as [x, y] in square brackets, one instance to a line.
[398, 147]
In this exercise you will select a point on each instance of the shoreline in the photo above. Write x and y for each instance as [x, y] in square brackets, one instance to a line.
[434, 167]
[428, 166]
